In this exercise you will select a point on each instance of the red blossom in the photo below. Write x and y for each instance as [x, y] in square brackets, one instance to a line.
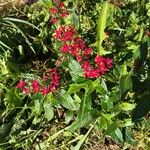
[65, 33]
[108, 63]
[57, 1]
[44, 90]
[52, 88]
[65, 48]
[76, 46]
[21, 84]
[87, 52]
[64, 14]
[99, 60]
[53, 20]
[25, 90]
[35, 86]
[79, 58]
[61, 5]
[54, 10]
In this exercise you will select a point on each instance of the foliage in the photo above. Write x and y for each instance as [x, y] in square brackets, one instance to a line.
[104, 85]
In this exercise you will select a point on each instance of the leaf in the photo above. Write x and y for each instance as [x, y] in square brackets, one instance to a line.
[67, 101]
[37, 107]
[117, 135]
[86, 114]
[22, 33]
[82, 140]
[75, 19]
[112, 127]
[38, 100]
[102, 123]
[125, 83]
[126, 106]
[129, 137]
[49, 113]
[3, 44]
[12, 99]
[101, 26]
[69, 116]
[75, 70]
[51, 99]
[20, 21]
[47, 3]
[87, 118]
[75, 88]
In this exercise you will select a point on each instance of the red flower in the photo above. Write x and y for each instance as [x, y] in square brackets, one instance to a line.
[79, 58]
[74, 52]
[35, 86]
[52, 88]
[99, 60]
[65, 33]
[54, 10]
[21, 84]
[65, 48]
[53, 20]
[80, 43]
[44, 90]
[61, 5]
[94, 73]
[25, 90]
[87, 52]
[64, 14]
[108, 63]
[57, 1]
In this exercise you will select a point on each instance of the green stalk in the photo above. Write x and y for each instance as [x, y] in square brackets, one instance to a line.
[101, 27]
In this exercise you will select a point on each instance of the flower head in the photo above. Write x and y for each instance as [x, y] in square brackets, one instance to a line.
[21, 84]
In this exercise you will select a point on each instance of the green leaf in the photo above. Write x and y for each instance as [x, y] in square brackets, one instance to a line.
[49, 113]
[125, 83]
[51, 99]
[69, 116]
[102, 123]
[117, 135]
[20, 21]
[75, 88]
[101, 26]
[75, 70]
[75, 19]
[37, 107]
[126, 106]
[12, 99]
[129, 137]
[3, 44]
[82, 140]
[23, 34]
[106, 104]
[112, 127]
[87, 118]
[85, 114]
[67, 101]
[46, 3]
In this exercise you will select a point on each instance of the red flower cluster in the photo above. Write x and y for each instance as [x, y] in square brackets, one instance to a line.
[101, 66]
[58, 11]
[71, 43]
[74, 45]
[65, 33]
[51, 77]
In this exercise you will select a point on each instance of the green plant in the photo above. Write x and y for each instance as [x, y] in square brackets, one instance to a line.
[94, 93]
